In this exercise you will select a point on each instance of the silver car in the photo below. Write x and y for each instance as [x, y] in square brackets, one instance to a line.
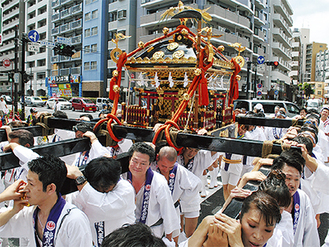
[64, 104]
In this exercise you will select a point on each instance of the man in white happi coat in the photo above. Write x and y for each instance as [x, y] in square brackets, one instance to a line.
[51, 221]
[184, 187]
[154, 204]
[20, 142]
[304, 224]
[107, 200]
[274, 133]
[96, 150]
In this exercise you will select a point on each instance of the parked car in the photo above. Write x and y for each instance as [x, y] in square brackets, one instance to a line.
[100, 102]
[83, 104]
[268, 105]
[315, 104]
[64, 104]
[34, 101]
[7, 99]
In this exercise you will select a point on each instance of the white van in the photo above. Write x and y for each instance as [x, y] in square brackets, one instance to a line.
[100, 102]
[315, 104]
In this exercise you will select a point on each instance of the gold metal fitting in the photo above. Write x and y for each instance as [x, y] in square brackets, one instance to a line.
[221, 48]
[238, 77]
[197, 71]
[184, 31]
[165, 30]
[116, 88]
[141, 44]
[115, 73]
[186, 96]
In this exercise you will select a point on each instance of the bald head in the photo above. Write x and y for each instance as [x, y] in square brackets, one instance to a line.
[169, 153]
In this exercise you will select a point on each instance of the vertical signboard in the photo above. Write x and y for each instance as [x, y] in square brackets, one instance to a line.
[0, 25]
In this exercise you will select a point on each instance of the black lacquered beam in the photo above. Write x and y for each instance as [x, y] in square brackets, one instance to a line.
[8, 160]
[270, 122]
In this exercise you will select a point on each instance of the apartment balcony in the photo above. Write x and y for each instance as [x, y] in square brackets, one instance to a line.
[11, 14]
[281, 50]
[295, 44]
[76, 71]
[64, 28]
[76, 9]
[326, 88]
[260, 4]
[259, 36]
[229, 18]
[56, 3]
[65, 13]
[55, 17]
[54, 59]
[283, 65]
[279, 21]
[153, 3]
[54, 72]
[10, 25]
[55, 31]
[65, 1]
[294, 63]
[293, 73]
[76, 40]
[259, 21]
[76, 24]
[279, 7]
[63, 72]
[295, 53]
[280, 36]
[64, 58]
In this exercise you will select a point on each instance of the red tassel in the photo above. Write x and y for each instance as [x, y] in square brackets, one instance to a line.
[112, 93]
[234, 85]
[203, 91]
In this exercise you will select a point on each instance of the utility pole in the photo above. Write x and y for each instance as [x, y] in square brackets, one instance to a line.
[248, 78]
[255, 82]
[22, 57]
[16, 67]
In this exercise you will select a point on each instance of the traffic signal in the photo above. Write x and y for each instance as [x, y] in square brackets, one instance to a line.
[10, 77]
[64, 50]
[27, 77]
[272, 63]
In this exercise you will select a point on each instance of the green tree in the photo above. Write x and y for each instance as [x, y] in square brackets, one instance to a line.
[307, 89]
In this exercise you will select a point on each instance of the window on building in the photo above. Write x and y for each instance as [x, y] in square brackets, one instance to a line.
[319, 92]
[31, 27]
[31, 15]
[94, 31]
[87, 1]
[42, 23]
[112, 34]
[94, 14]
[122, 31]
[112, 16]
[41, 75]
[319, 85]
[31, 64]
[93, 65]
[86, 66]
[122, 14]
[94, 48]
[87, 16]
[112, 1]
[87, 32]
[87, 49]
[42, 10]
[41, 62]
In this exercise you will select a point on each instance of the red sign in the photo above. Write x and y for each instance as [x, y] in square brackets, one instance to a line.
[132, 76]
[6, 62]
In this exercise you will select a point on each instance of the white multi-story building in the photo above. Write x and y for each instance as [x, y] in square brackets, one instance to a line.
[297, 58]
[38, 16]
[280, 35]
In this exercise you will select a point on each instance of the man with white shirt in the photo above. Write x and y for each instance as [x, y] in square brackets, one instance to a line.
[107, 200]
[184, 187]
[52, 221]
[154, 204]
[304, 224]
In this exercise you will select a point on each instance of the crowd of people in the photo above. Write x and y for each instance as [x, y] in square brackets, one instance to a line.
[157, 201]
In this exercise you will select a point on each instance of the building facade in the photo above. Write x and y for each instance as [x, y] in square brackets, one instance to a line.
[310, 61]
[280, 35]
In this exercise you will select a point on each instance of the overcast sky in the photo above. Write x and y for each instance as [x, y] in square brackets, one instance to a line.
[312, 14]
